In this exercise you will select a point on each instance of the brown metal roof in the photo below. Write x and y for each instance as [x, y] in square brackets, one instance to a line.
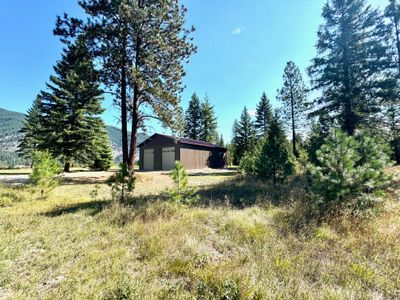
[183, 141]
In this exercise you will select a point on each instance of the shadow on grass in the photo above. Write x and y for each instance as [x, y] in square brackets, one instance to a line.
[93, 208]
[242, 192]
[216, 174]
[83, 180]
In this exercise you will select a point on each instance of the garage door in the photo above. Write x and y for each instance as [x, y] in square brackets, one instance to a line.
[148, 161]
[168, 158]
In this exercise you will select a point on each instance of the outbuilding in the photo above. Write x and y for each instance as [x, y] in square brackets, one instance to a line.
[159, 152]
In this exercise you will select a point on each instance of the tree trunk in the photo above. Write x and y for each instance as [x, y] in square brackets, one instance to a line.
[135, 108]
[293, 126]
[349, 116]
[132, 153]
[124, 118]
[398, 44]
[67, 166]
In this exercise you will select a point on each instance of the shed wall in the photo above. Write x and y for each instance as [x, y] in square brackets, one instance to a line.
[158, 144]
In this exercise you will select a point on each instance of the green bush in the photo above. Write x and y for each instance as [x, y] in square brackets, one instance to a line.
[350, 173]
[181, 192]
[248, 163]
[45, 172]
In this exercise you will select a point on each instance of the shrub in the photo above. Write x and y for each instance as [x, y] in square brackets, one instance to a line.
[350, 171]
[122, 183]
[181, 192]
[248, 163]
[45, 172]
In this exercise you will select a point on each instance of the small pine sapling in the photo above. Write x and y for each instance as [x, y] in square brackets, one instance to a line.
[45, 172]
[181, 193]
[350, 171]
[122, 183]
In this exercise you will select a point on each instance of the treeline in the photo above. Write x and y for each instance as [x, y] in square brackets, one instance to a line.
[355, 75]
[346, 127]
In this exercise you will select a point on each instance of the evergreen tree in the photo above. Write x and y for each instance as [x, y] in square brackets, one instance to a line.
[102, 151]
[208, 123]
[263, 116]
[193, 119]
[319, 132]
[350, 170]
[234, 155]
[71, 108]
[141, 47]
[245, 136]
[32, 131]
[350, 69]
[221, 141]
[44, 173]
[392, 12]
[274, 161]
[293, 97]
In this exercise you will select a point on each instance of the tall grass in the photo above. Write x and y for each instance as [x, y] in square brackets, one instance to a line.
[237, 243]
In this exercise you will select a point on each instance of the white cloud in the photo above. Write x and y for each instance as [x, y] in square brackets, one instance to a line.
[238, 30]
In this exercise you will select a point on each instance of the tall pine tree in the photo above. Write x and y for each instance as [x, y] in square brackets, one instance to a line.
[274, 161]
[392, 12]
[293, 96]
[71, 108]
[141, 47]
[193, 119]
[208, 123]
[245, 135]
[263, 116]
[350, 67]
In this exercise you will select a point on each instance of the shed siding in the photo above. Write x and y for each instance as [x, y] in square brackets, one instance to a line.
[191, 156]
[195, 159]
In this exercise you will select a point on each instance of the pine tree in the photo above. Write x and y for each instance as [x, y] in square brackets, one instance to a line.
[293, 97]
[263, 116]
[71, 108]
[102, 150]
[245, 136]
[32, 131]
[141, 47]
[392, 12]
[193, 119]
[44, 173]
[208, 123]
[350, 169]
[221, 141]
[350, 67]
[274, 161]
[316, 138]
[234, 155]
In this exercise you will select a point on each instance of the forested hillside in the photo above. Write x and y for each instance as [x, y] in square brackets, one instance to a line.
[12, 122]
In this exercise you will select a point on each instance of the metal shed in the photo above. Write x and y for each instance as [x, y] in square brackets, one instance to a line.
[159, 152]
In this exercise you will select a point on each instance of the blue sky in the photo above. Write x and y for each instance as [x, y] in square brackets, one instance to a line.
[243, 47]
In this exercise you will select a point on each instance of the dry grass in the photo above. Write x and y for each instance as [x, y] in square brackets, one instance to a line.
[232, 246]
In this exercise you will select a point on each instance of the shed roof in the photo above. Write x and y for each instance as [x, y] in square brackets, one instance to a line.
[182, 141]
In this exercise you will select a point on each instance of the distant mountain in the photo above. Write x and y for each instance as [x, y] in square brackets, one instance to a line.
[11, 123]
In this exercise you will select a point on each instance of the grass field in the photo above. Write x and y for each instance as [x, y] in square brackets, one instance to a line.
[237, 243]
